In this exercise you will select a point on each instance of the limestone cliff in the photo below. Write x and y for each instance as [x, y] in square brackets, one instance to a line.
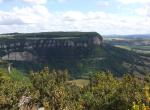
[22, 46]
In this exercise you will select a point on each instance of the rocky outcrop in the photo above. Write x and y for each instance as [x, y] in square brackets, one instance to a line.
[97, 41]
[19, 56]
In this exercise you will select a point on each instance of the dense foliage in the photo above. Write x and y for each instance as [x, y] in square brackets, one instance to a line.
[53, 90]
[80, 61]
[48, 35]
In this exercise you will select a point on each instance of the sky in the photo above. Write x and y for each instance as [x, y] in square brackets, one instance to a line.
[103, 16]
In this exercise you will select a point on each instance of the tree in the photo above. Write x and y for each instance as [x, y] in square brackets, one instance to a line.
[53, 89]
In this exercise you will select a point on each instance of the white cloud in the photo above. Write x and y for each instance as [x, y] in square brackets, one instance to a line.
[144, 11]
[73, 15]
[35, 1]
[34, 14]
[32, 2]
[133, 1]
[7, 18]
[38, 18]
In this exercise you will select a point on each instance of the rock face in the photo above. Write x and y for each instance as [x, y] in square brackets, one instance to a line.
[19, 47]
[97, 40]
[19, 56]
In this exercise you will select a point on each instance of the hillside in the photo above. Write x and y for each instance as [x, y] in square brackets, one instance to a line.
[104, 58]
[81, 53]
[136, 43]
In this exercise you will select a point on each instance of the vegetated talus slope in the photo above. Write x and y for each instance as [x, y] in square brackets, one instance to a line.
[122, 61]
[100, 58]
[116, 60]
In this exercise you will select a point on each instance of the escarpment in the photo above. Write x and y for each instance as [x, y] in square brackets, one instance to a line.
[57, 44]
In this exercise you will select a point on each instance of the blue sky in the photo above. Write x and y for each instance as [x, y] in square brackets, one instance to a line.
[103, 16]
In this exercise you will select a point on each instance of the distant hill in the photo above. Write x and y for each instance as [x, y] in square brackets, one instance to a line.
[81, 53]
[135, 36]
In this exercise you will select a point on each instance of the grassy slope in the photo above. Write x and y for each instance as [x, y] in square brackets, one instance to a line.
[79, 82]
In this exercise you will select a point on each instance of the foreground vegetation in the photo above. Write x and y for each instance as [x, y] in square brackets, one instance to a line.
[53, 90]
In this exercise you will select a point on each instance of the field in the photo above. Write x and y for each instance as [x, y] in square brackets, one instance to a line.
[138, 44]
[79, 82]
